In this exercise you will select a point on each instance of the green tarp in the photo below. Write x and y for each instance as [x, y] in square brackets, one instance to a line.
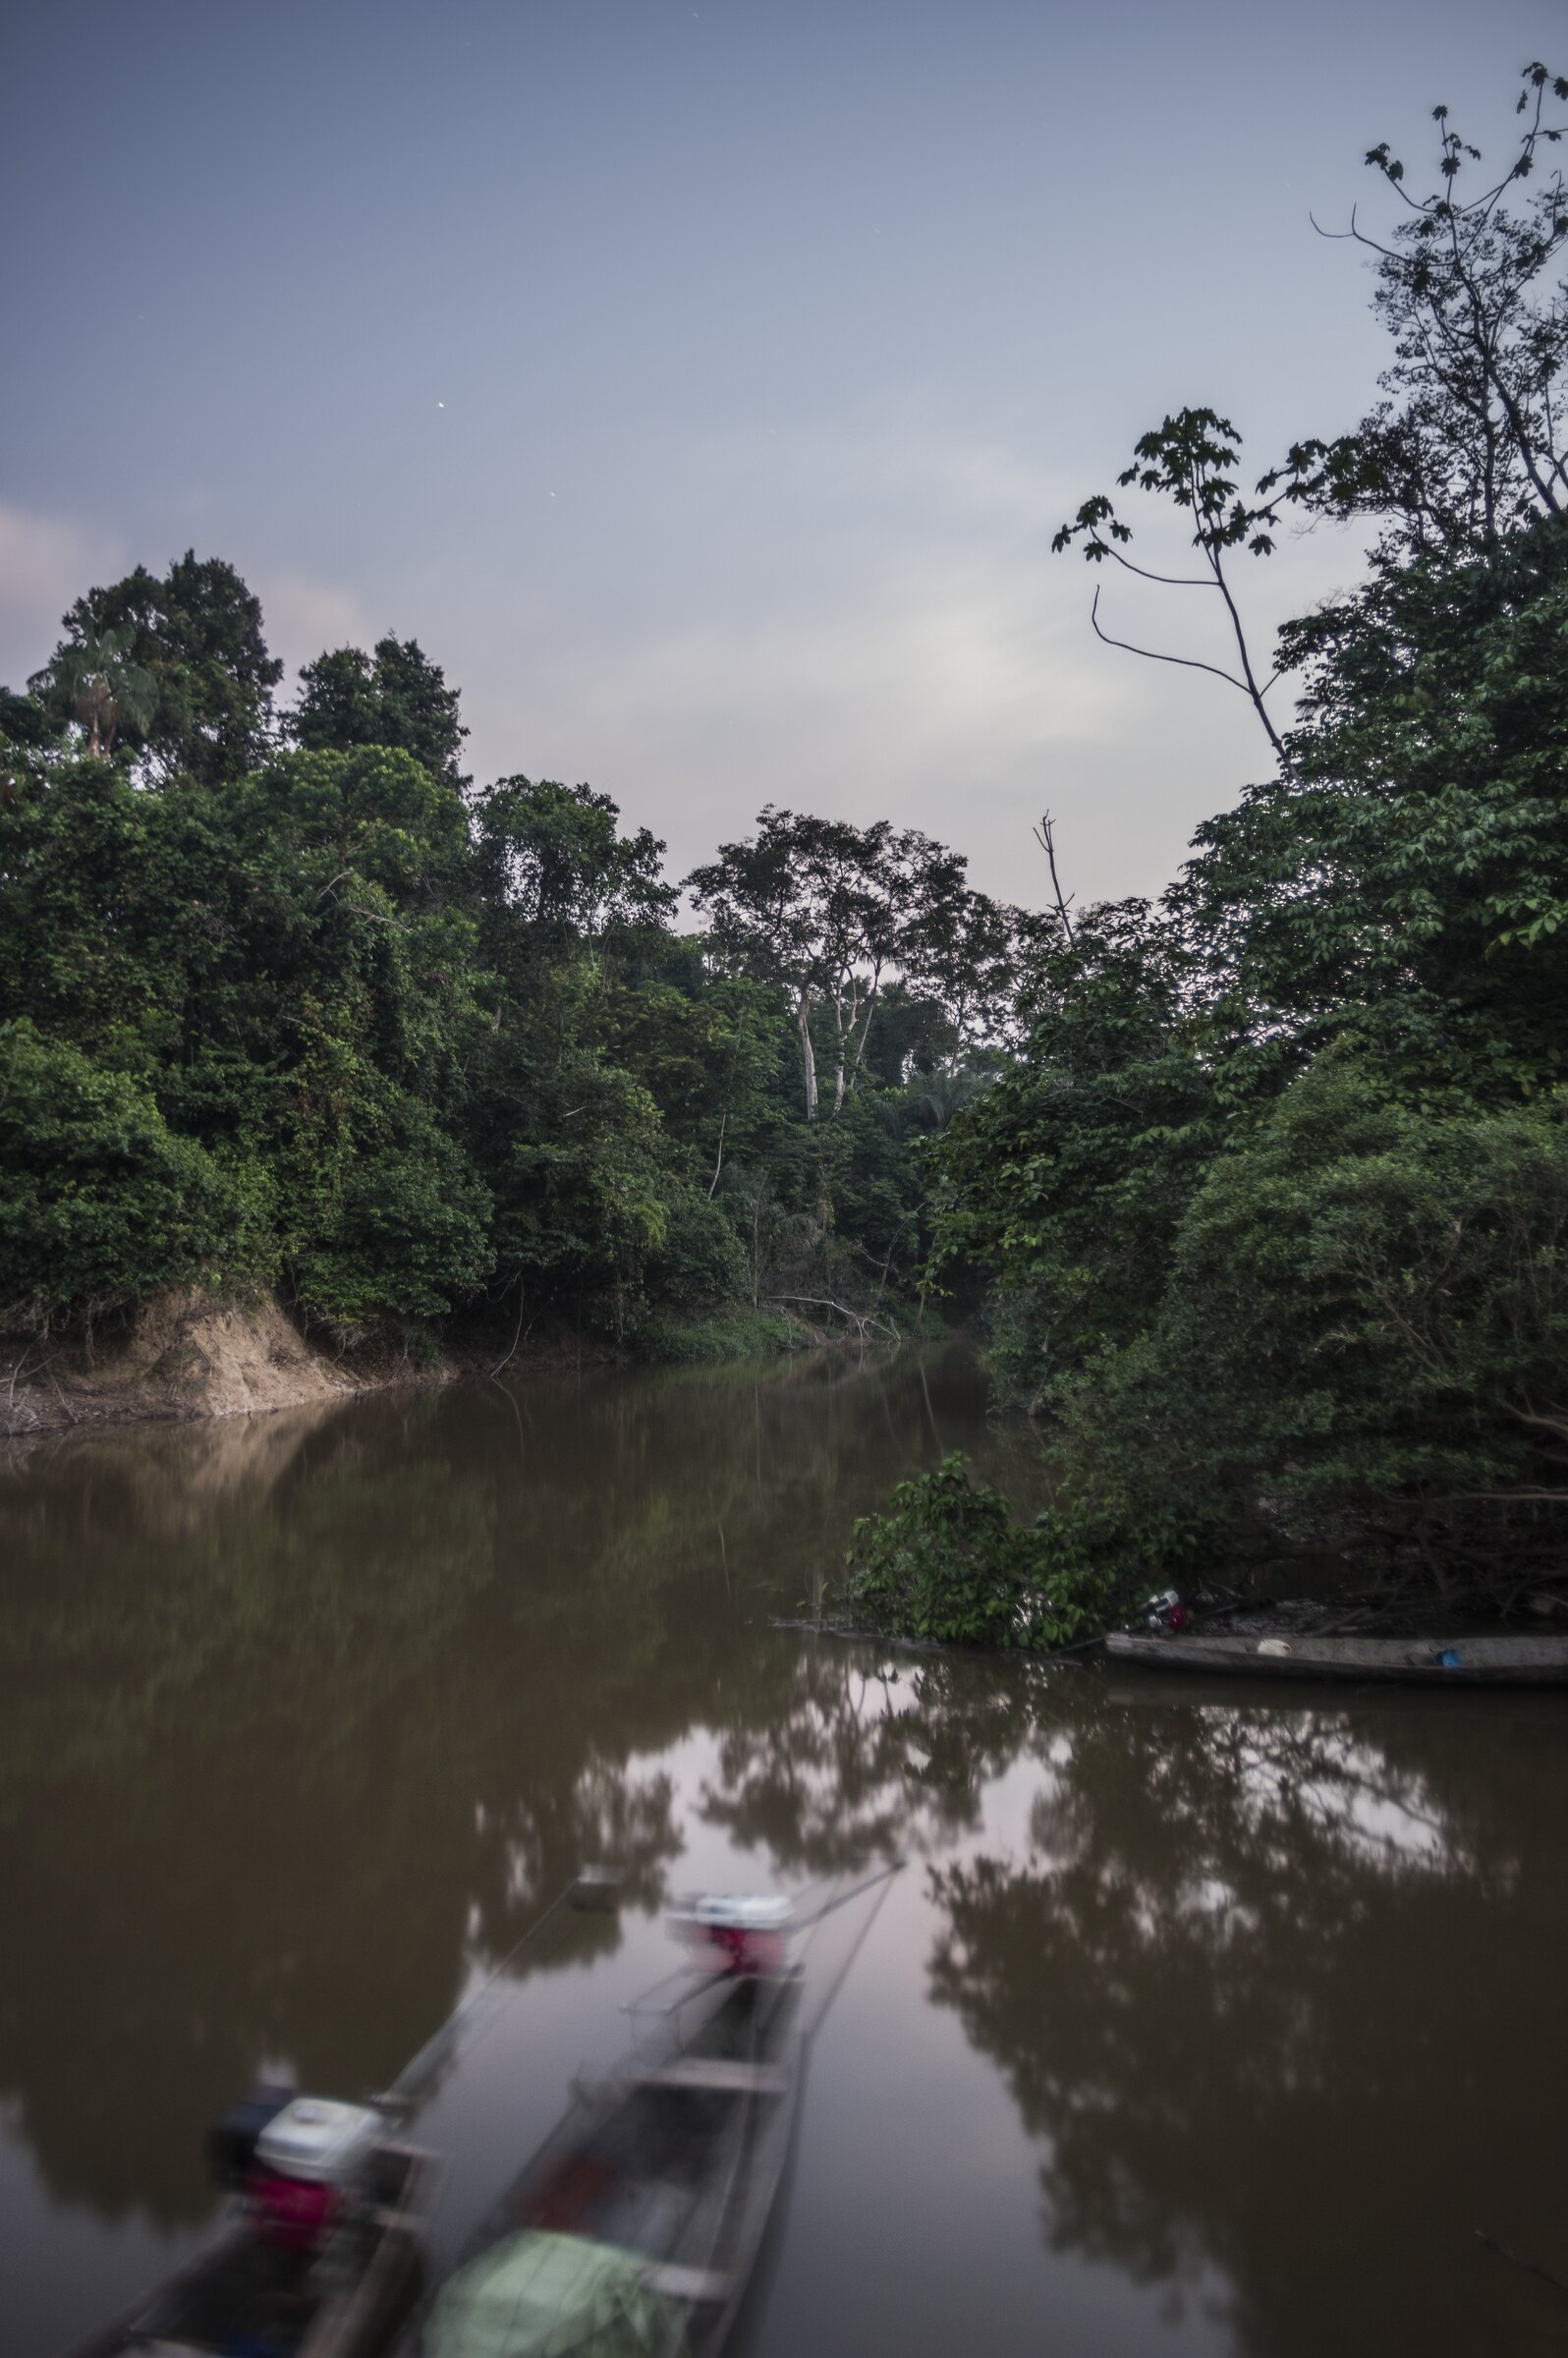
[552, 2296]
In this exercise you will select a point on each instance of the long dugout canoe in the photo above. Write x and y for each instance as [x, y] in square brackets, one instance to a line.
[1436, 1661]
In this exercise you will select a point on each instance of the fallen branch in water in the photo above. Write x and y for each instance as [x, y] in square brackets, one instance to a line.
[862, 1321]
[517, 1333]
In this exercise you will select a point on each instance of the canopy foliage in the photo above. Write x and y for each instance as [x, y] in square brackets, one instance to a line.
[1274, 1199]
[289, 1001]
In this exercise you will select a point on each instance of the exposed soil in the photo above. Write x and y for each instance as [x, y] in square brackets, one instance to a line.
[188, 1355]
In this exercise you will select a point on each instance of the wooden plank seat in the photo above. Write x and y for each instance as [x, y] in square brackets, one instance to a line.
[724, 2075]
[689, 2284]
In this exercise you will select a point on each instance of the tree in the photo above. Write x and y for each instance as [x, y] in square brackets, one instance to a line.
[829, 910]
[24, 721]
[1468, 443]
[95, 679]
[426, 1043]
[398, 698]
[1274, 1198]
[1189, 460]
[100, 1204]
[1068, 1178]
[554, 860]
[708, 1045]
[970, 959]
[574, 1151]
[404, 1234]
[1402, 882]
[949, 1566]
[106, 902]
[1360, 1338]
[197, 637]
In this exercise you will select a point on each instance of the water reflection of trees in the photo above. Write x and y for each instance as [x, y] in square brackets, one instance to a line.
[301, 1720]
[858, 1757]
[257, 1805]
[297, 1733]
[1253, 1970]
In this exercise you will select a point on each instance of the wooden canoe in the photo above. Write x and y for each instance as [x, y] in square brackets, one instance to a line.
[675, 2163]
[239, 2293]
[1500, 1661]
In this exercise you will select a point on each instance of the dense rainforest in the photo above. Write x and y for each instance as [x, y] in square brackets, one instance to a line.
[286, 1001]
[1266, 1181]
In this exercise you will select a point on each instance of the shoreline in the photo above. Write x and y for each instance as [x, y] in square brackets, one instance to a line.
[190, 1357]
[187, 1358]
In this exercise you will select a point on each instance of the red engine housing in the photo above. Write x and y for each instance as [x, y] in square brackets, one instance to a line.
[292, 2215]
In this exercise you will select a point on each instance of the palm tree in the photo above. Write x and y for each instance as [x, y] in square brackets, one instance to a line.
[97, 677]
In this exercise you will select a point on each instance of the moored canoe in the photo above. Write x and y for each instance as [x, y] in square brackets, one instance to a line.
[1498, 1661]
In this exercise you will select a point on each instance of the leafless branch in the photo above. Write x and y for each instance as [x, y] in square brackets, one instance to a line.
[1188, 663]
[1171, 580]
[1045, 837]
[860, 1319]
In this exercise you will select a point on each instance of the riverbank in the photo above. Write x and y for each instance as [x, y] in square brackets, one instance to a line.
[188, 1356]
[185, 1355]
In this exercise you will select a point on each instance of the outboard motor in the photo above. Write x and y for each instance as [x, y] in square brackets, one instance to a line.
[741, 1932]
[311, 2171]
[232, 2139]
[1163, 1611]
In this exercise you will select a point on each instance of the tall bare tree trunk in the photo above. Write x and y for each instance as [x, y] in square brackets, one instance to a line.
[838, 1050]
[865, 1027]
[803, 1024]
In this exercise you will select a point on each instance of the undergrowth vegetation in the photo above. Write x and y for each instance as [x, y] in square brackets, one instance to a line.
[948, 1564]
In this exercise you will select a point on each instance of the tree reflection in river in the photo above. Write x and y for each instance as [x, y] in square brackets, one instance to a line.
[292, 1702]
[244, 1771]
[302, 1720]
[858, 1757]
[1250, 1981]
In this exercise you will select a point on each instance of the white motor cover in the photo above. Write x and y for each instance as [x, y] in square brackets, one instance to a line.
[741, 1912]
[316, 2139]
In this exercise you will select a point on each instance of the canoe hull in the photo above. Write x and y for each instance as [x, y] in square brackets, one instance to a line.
[352, 2320]
[676, 2160]
[1481, 1663]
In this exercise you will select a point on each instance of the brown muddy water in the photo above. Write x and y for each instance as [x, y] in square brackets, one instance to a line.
[1203, 2019]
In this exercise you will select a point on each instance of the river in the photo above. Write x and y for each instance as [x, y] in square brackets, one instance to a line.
[1203, 2019]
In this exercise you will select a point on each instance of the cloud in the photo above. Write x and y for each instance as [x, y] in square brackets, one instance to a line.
[49, 562]
[866, 622]
[877, 692]
[46, 563]
[869, 621]
[303, 617]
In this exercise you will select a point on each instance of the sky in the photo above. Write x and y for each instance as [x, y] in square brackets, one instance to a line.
[702, 386]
